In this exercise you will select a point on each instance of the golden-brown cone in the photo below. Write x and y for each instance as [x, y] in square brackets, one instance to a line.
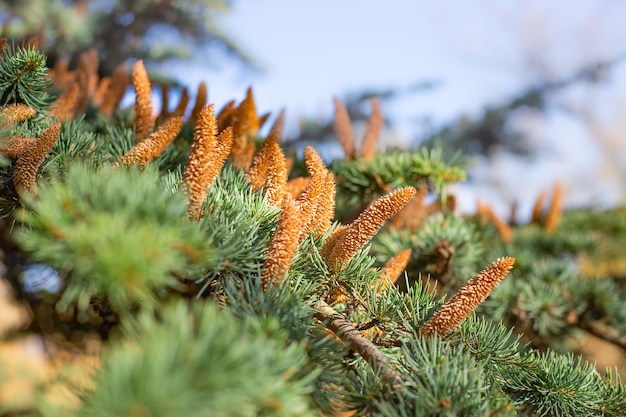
[308, 201]
[279, 125]
[29, 161]
[283, 243]
[101, 89]
[538, 207]
[394, 268]
[297, 185]
[367, 225]
[257, 171]
[331, 241]
[200, 101]
[152, 146]
[165, 101]
[13, 113]
[220, 152]
[144, 117]
[63, 107]
[325, 210]
[225, 115]
[276, 182]
[555, 209]
[263, 118]
[115, 92]
[60, 74]
[247, 119]
[343, 129]
[180, 109]
[467, 298]
[372, 133]
[412, 215]
[200, 157]
[14, 146]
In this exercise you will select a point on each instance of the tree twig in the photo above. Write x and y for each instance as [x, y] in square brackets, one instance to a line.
[603, 331]
[346, 331]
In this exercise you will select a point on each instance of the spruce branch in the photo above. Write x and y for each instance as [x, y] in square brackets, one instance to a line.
[467, 298]
[24, 77]
[346, 331]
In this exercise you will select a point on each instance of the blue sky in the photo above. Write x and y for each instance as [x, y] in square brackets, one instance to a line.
[479, 53]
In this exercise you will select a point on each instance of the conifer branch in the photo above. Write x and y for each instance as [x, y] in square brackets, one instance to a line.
[144, 118]
[603, 331]
[29, 161]
[467, 298]
[154, 145]
[367, 225]
[343, 129]
[346, 331]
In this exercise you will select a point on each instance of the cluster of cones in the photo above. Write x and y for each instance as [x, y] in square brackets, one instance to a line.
[307, 203]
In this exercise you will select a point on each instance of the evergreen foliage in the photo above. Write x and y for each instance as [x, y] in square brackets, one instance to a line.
[191, 324]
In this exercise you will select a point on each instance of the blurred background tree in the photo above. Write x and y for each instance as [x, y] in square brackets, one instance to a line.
[156, 31]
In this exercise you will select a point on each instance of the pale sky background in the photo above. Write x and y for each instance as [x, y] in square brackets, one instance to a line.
[479, 52]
